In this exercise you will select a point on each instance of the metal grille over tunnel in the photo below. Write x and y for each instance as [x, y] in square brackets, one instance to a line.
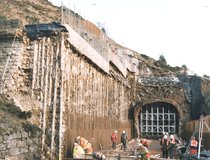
[157, 118]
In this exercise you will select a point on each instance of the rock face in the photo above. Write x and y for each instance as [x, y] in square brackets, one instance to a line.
[18, 139]
[79, 82]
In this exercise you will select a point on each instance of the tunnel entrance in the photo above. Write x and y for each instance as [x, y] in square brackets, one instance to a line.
[156, 118]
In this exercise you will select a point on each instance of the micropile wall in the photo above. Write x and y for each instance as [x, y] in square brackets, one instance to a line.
[70, 92]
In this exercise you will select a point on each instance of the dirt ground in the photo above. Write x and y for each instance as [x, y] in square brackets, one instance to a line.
[154, 150]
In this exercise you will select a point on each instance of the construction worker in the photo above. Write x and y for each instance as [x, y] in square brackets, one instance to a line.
[82, 141]
[87, 146]
[172, 148]
[164, 146]
[124, 138]
[114, 139]
[78, 151]
[143, 152]
[145, 142]
[193, 146]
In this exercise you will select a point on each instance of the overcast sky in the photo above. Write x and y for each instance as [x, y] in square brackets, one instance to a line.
[177, 29]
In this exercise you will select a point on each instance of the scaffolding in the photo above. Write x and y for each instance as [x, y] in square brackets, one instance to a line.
[157, 118]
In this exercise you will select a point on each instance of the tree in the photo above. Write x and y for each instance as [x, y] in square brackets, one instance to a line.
[162, 60]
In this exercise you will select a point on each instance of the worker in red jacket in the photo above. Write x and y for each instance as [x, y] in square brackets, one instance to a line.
[114, 139]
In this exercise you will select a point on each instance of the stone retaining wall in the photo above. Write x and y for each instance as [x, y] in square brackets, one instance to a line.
[18, 145]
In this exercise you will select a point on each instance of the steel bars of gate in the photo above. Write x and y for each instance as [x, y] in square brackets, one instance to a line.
[157, 118]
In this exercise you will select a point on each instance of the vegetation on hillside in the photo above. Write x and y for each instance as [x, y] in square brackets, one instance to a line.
[29, 11]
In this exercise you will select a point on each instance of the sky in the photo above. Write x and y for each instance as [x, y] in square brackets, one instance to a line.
[177, 29]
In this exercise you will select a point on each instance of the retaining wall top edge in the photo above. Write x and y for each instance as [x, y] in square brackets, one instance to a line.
[84, 48]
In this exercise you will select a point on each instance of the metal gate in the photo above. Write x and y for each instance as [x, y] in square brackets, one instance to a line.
[157, 118]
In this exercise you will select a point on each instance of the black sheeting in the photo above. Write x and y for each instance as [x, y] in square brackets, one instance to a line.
[34, 31]
[192, 86]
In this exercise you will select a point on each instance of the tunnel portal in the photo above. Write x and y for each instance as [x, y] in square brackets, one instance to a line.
[156, 118]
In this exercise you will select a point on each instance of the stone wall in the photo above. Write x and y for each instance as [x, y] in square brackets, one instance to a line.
[16, 141]
[9, 57]
[161, 89]
[18, 138]
[14, 146]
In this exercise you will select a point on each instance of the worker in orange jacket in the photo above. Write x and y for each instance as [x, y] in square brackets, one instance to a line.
[87, 146]
[193, 146]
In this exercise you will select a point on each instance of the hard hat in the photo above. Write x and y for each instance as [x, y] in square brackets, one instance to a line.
[123, 132]
[171, 136]
[78, 137]
[165, 137]
[103, 157]
[115, 131]
[164, 133]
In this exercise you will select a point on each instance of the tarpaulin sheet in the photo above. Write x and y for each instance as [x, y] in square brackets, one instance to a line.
[35, 31]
